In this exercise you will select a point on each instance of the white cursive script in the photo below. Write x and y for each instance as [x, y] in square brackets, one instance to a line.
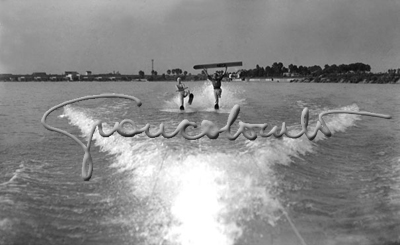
[208, 128]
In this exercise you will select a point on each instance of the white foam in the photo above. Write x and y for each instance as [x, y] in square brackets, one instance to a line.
[123, 147]
[207, 194]
[338, 122]
[282, 150]
[197, 197]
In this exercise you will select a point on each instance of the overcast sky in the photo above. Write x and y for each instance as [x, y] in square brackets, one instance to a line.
[102, 36]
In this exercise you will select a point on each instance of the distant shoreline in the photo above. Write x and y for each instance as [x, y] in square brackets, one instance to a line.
[364, 78]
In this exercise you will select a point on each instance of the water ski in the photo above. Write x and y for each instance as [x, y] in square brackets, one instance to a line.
[182, 108]
[216, 107]
[191, 96]
[217, 65]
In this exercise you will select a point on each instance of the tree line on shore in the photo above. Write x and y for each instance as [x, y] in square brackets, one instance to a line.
[276, 70]
[279, 70]
[347, 73]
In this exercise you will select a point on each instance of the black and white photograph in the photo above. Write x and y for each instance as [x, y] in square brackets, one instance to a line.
[200, 122]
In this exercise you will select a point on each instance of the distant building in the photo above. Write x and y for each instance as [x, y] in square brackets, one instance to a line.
[88, 73]
[6, 77]
[290, 74]
[73, 73]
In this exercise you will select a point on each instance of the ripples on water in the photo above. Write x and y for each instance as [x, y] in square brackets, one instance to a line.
[341, 190]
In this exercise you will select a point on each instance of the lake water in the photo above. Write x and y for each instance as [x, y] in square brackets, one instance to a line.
[339, 190]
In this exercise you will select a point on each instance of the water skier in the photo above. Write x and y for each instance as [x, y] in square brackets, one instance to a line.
[216, 80]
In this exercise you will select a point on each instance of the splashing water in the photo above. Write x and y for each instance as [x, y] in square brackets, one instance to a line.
[197, 198]
[204, 196]
[197, 208]
[204, 99]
